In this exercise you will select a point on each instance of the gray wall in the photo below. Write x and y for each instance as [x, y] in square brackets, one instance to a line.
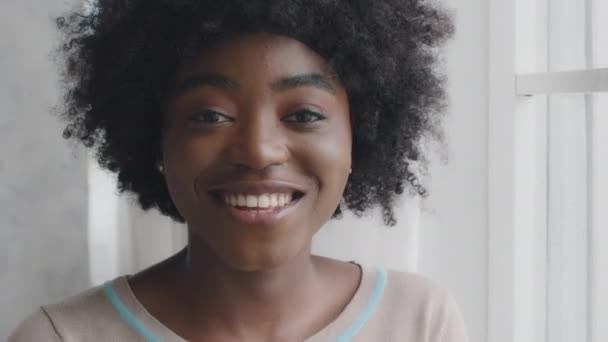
[454, 233]
[43, 184]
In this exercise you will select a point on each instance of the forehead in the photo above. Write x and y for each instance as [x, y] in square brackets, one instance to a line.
[261, 56]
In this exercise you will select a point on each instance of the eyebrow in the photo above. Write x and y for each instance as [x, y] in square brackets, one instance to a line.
[197, 80]
[305, 80]
[205, 79]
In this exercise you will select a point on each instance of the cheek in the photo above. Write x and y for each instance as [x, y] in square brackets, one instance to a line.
[185, 158]
[328, 158]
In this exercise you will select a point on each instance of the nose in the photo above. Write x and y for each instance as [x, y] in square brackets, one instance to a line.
[258, 143]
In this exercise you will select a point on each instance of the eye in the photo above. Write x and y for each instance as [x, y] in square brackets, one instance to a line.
[304, 116]
[210, 117]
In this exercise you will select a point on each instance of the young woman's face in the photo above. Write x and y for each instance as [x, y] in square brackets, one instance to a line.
[257, 117]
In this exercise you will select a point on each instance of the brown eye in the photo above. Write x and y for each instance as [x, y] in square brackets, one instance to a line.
[304, 116]
[210, 117]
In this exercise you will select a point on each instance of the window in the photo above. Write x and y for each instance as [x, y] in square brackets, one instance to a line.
[548, 221]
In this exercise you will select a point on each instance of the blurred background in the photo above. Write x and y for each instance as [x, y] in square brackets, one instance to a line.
[516, 224]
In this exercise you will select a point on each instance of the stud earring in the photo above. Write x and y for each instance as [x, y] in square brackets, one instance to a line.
[161, 168]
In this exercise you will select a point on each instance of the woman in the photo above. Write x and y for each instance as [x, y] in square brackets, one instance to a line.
[255, 122]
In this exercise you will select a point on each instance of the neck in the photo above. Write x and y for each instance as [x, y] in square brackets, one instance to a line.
[239, 300]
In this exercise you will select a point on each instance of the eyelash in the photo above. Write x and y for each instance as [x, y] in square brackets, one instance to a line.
[196, 117]
[306, 111]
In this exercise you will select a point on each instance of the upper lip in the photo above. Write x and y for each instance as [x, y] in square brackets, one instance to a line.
[256, 188]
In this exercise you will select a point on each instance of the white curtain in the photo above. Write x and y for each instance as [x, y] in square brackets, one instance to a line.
[368, 241]
[124, 239]
[562, 209]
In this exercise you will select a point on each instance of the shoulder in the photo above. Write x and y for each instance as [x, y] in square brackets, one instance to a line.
[423, 309]
[414, 295]
[37, 327]
[417, 290]
[79, 317]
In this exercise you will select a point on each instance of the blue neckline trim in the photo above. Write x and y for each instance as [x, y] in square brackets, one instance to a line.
[369, 309]
[126, 315]
[349, 333]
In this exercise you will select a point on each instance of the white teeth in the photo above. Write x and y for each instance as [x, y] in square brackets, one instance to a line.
[252, 201]
[274, 200]
[242, 200]
[261, 201]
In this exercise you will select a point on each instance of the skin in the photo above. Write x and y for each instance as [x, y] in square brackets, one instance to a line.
[230, 118]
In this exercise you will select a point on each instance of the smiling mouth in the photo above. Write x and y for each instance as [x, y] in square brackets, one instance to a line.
[265, 210]
[257, 202]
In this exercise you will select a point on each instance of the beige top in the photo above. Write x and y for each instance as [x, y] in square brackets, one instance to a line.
[388, 306]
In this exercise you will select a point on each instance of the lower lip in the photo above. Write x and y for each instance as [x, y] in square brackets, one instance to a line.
[264, 216]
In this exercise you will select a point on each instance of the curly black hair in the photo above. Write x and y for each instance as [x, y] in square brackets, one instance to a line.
[118, 58]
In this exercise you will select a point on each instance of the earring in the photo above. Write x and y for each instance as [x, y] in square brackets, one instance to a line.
[350, 171]
[161, 168]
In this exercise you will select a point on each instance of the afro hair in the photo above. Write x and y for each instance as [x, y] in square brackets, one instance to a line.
[118, 58]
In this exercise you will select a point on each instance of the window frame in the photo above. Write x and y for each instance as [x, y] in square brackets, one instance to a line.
[517, 244]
